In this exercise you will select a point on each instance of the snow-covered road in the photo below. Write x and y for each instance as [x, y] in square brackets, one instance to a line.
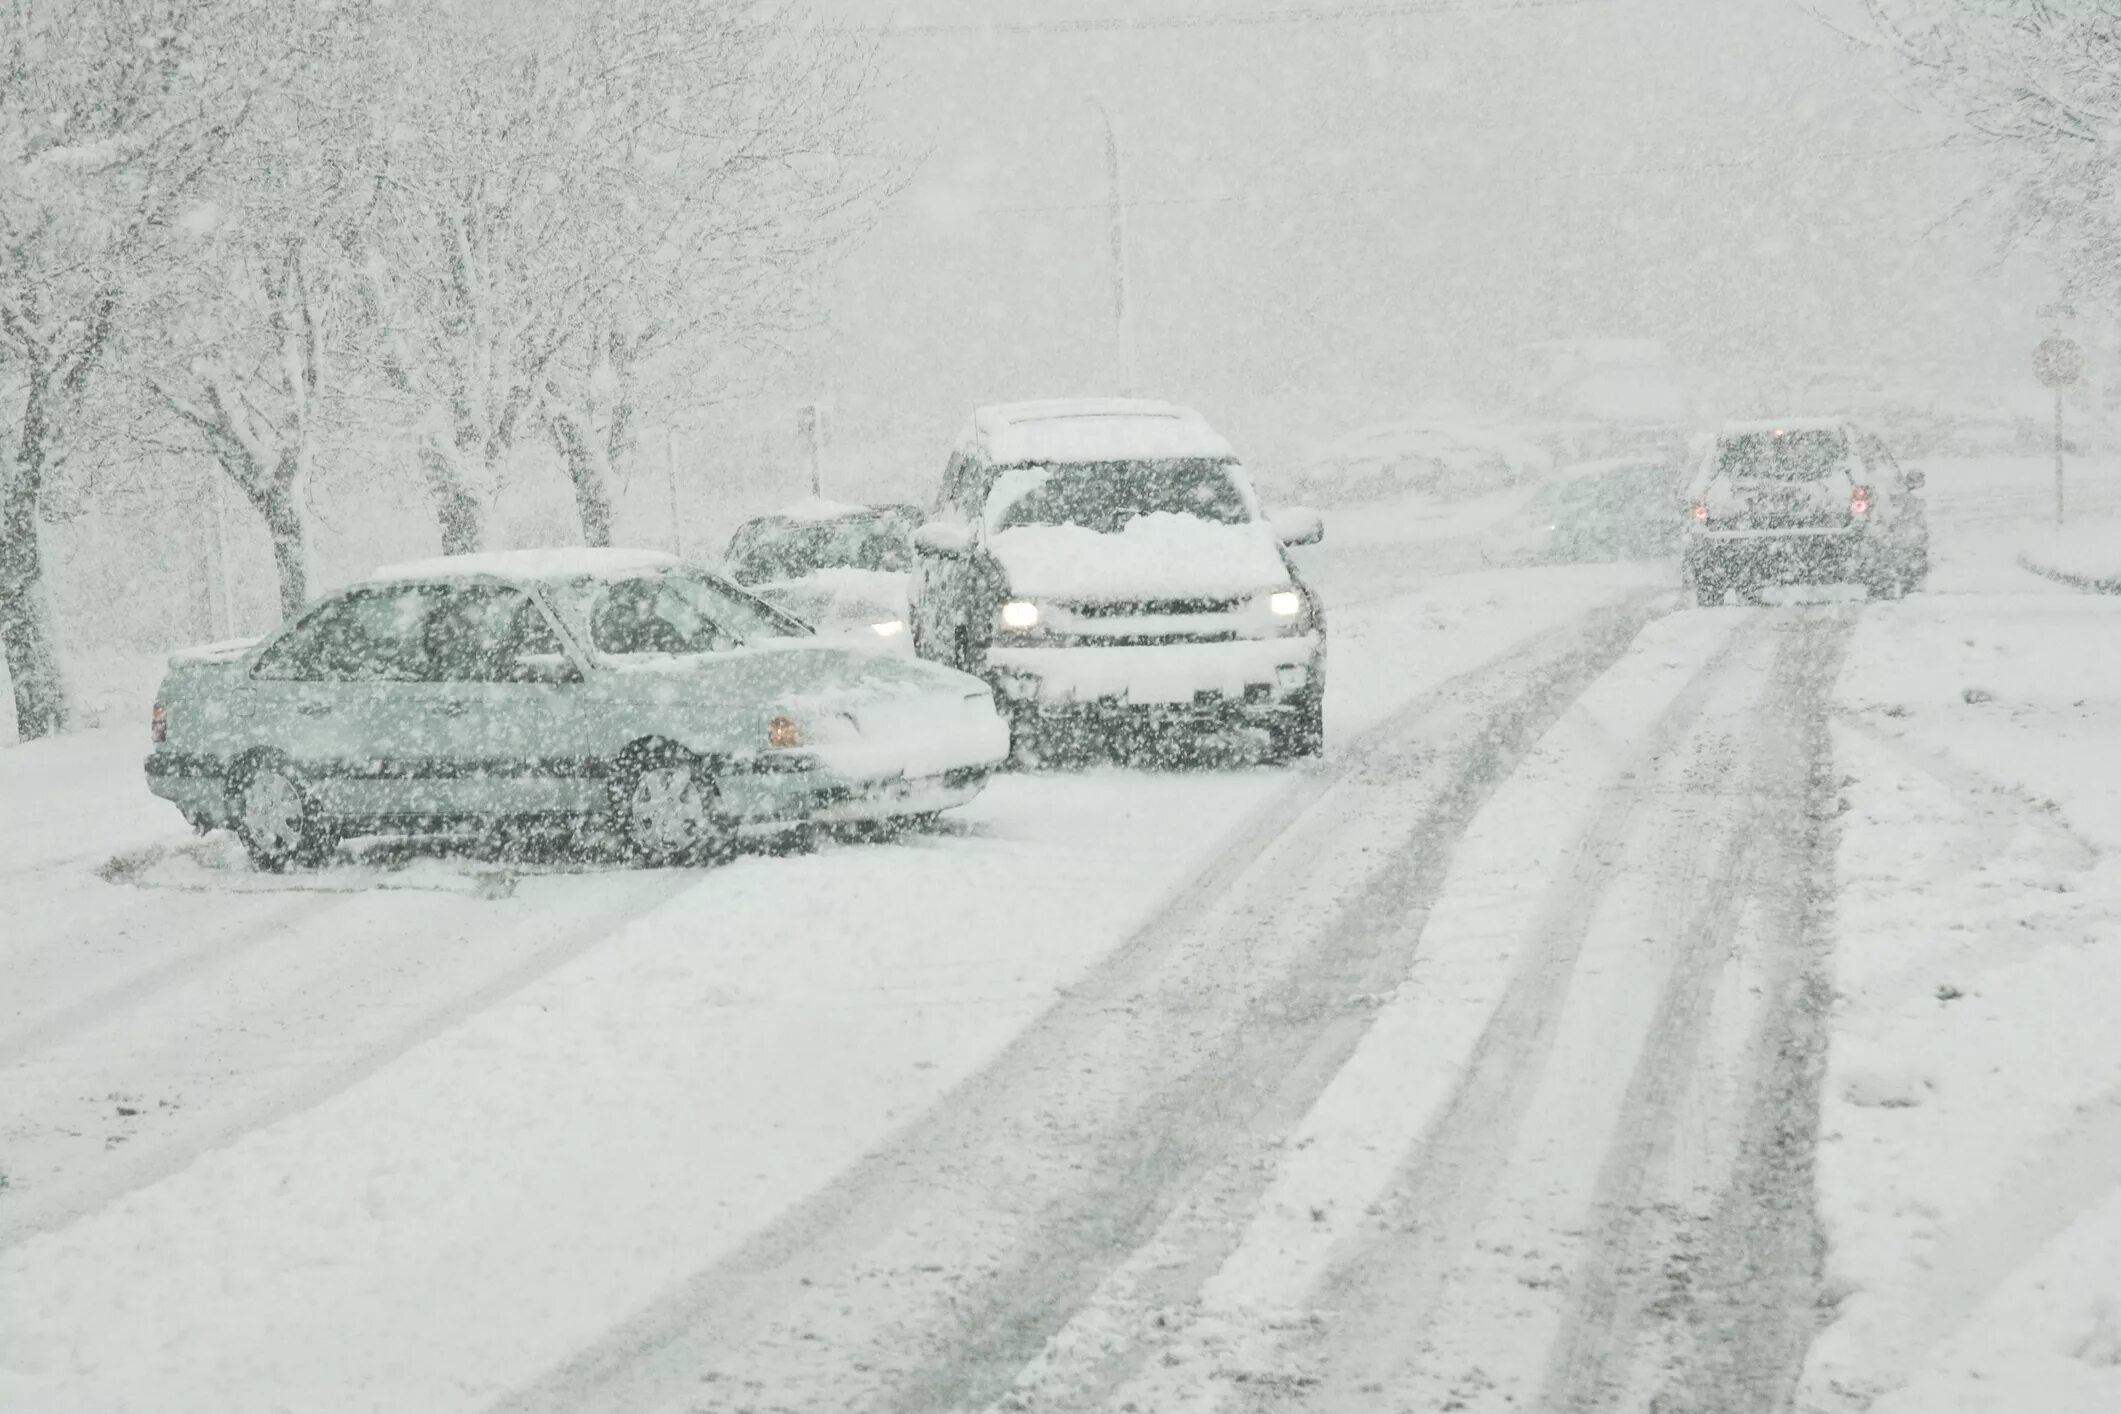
[1477, 1067]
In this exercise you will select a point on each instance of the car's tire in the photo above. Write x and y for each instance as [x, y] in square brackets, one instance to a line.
[1884, 582]
[666, 807]
[275, 815]
[1301, 734]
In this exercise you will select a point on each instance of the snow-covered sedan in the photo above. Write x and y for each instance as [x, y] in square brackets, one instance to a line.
[838, 567]
[1106, 564]
[582, 684]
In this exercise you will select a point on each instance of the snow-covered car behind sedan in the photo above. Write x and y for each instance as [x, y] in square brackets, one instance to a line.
[839, 567]
[1106, 566]
[1804, 500]
[614, 685]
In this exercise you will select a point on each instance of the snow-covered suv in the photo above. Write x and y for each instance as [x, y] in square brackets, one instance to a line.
[1807, 500]
[1106, 563]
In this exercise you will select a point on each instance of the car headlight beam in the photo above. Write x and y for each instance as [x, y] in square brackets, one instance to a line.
[888, 628]
[1285, 603]
[1020, 614]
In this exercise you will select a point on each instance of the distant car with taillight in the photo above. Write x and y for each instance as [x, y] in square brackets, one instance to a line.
[1803, 501]
[604, 685]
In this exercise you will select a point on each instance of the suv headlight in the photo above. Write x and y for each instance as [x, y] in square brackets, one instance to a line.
[1020, 614]
[1285, 603]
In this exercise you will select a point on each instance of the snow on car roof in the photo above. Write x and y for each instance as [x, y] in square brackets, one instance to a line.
[813, 509]
[1092, 430]
[1783, 424]
[553, 562]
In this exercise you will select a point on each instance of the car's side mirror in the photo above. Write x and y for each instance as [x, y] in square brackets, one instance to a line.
[1297, 525]
[947, 538]
[1917, 478]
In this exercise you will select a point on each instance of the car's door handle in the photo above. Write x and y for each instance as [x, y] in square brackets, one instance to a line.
[455, 709]
[314, 709]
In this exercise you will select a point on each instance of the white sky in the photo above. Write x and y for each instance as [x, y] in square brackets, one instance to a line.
[1334, 222]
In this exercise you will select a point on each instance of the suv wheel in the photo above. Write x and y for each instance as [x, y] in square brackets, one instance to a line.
[1299, 735]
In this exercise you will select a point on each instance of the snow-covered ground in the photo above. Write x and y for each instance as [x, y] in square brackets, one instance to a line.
[2086, 551]
[256, 1129]
[1474, 1067]
[1970, 1164]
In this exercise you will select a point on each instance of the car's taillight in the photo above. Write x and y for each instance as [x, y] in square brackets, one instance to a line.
[1701, 511]
[1859, 500]
[158, 725]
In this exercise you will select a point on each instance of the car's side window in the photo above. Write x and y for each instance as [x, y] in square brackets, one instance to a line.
[370, 635]
[482, 633]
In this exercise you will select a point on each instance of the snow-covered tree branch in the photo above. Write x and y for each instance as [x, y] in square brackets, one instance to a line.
[111, 115]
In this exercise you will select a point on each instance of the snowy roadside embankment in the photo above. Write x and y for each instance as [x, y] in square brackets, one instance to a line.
[1970, 1161]
[2086, 555]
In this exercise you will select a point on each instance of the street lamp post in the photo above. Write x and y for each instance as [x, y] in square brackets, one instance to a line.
[1122, 312]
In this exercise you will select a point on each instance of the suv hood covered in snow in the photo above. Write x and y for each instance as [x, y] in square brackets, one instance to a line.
[1152, 556]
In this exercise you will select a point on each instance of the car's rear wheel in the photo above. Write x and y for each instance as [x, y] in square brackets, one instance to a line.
[275, 816]
[666, 808]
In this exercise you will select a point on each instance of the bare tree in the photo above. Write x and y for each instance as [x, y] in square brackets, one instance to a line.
[729, 161]
[2039, 83]
[111, 114]
[252, 354]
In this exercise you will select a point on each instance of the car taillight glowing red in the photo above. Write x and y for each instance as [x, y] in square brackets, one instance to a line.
[158, 725]
[1859, 500]
[1701, 510]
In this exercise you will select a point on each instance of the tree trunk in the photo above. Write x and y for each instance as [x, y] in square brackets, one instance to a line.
[292, 556]
[458, 511]
[27, 634]
[590, 474]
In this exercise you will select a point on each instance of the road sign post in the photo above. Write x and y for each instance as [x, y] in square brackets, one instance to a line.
[2058, 363]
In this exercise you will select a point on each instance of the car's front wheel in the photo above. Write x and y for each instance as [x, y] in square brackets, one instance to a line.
[1300, 734]
[666, 808]
[275, 817]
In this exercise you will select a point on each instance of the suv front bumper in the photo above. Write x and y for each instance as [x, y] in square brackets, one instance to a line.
[1236, 680]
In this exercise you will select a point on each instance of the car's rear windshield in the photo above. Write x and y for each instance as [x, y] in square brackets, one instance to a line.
[1104, 496]
[668, 613]
[768, 551]
[1805, 454]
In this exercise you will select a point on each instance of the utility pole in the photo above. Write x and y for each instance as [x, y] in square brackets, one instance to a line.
[670, 472]
[1122, 312]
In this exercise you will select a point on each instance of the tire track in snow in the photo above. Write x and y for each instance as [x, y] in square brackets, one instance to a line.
[23, 1220]
[931, 1274]
[99, 1007]
[1393, 1287]
[1771, 856]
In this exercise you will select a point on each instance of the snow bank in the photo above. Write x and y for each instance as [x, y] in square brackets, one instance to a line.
[2086, 554]
[1161, 555]
[1970, 1159]
[1451, 459]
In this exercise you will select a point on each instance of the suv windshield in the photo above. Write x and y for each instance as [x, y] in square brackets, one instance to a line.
[1104, 496]
[775, 549]
[673, 612]
[1806, 455]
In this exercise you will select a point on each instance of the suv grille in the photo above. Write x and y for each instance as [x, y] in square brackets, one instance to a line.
[1141, 608]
